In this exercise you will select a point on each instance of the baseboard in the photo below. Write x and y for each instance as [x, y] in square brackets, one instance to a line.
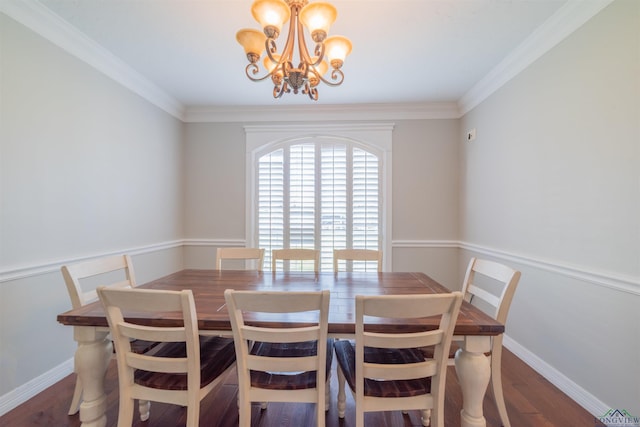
[26, 391]
[579, 395]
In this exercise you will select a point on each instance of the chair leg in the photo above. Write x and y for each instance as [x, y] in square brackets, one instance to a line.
[244, 411]
[144, 407]
[320, 410]
[125, 411]
[496, 387]
[193, 414]
[327, 394]
[342, 397]
[77, 397]
[426, 417]
[359, 417]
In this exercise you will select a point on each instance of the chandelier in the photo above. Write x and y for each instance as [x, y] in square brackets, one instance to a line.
[310, 69]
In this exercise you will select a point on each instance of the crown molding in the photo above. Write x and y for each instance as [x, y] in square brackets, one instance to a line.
[571, 16]
[288, 113]
[35, 16]
[41, 20]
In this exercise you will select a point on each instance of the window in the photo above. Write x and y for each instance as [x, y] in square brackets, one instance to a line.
[318, 194]
[308, 188]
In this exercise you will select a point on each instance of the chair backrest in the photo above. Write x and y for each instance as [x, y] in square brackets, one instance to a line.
[446, 306]
[240, 253]
[312, 310]
[357, 255]
[296, 255]
[117, 301]
[490, 286]
[75, 273]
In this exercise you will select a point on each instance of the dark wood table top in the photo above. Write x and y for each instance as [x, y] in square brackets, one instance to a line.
[208, 289]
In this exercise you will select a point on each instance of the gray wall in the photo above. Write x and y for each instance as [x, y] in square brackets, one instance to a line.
[86, 168]
[425, 187]
[553, 180]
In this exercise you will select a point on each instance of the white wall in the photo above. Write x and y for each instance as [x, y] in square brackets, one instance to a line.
[86, 168]
[553, 180]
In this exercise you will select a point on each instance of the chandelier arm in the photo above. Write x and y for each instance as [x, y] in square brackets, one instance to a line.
[278, 91]
[302, 47]
[336, 75]
[287, 50]
[254, 69]
[311, 91]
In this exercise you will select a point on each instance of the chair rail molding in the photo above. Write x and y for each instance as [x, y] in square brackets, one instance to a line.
[24, 271]
[605, 279]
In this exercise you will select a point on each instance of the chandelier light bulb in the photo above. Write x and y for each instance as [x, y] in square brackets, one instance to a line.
[337, 49]
[271, 15]
[253, 43]
[318, 18]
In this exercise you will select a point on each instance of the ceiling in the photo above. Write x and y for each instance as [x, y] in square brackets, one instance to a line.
[404, 51]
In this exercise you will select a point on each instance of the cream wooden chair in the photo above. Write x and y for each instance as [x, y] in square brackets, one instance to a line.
[497, 305]
[287, 364]
[240, 254]
[182, 371]
[364, 255]
[118, 271]
[387, 371]
[490, 286]
[296, 255]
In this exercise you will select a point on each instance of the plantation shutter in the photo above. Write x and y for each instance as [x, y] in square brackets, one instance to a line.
[318, 195]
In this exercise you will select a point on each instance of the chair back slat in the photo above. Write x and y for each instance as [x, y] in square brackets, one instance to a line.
[503, 280]
[285, 335]
[246, 254]
[295, 255]
[74, 274]
[408, 371]
[363, 255]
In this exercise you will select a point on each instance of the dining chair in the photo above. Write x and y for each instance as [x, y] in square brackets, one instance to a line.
[116, 270]
[281, 364]
[296, 255]
[387, 371]
[490, 286]
[183, 371]
[364, 255]
[256, 254]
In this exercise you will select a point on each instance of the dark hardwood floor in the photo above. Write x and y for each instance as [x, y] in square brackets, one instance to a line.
[531, 401]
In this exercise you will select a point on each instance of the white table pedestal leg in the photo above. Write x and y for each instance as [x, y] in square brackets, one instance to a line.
[91, 362]
[474, 372]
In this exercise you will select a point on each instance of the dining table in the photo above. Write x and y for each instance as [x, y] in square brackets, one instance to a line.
[474, 329]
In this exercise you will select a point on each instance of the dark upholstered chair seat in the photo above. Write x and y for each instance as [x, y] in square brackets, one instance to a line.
[346, 357]
[276, 381]
[216, 355]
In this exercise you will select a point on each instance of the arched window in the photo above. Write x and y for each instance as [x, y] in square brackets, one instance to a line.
[317, 192]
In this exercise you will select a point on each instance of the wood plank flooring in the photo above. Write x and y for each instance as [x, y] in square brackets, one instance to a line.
[531, 401]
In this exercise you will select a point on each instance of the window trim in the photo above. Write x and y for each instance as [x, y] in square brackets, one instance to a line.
[375, 136]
